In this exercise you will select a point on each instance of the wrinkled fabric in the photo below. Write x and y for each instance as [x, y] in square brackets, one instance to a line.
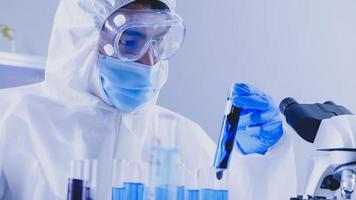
[67, 117]
[128, 85]
[260, 126]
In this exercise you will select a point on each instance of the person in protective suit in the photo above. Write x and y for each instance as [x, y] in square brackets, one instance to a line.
[107, 61]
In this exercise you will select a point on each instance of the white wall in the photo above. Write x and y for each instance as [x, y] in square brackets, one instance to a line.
[300, 48]
[32, 21]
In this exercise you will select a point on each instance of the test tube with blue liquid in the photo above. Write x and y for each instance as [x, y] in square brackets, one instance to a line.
[81, 184]
[118, 189]
[129, 180]
[211, 187]
[181, 182]
[90, 174]
[164, 162]
[228, 134]
[193, 189]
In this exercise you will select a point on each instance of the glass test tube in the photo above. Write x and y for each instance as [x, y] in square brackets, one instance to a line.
[193, 189]
[118, 189]
[90, 175]
[82, 180]
[164, 161]
[211, 187]
[129, 180]
[181, 180]
[76, 182]
[227, 136]
[135, 181]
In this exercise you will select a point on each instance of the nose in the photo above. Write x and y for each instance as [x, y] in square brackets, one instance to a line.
[147, 58]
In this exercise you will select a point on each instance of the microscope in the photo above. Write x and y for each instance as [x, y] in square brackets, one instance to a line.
[332, 131]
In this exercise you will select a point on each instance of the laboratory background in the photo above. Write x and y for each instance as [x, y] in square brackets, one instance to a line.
[305, 49]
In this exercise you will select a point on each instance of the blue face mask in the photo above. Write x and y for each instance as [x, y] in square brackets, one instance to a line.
[128, 85]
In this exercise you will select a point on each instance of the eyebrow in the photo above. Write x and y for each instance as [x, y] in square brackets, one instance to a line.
[134, 33]
[164, 32]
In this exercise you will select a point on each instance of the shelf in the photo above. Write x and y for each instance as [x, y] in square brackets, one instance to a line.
[22, 61]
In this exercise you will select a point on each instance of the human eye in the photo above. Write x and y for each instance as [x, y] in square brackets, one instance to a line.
[128, 42]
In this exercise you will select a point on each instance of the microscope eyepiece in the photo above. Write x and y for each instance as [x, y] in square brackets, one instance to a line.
[305, 119]
[329, 103]
[286, 103]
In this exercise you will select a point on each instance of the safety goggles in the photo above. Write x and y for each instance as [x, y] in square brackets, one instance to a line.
[131, 34]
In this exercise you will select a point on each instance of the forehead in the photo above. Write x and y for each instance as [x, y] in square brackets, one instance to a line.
[146, 16]
[137, 6]
[144, 32]
[150, 4]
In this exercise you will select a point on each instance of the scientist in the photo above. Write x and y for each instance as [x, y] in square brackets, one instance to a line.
[107, 62]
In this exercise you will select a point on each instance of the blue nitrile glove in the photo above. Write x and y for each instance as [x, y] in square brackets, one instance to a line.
[260, 126]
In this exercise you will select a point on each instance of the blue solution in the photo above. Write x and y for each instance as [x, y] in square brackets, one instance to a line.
[223, 194]
[87, 193]
[164, 160]
[227, 137]
[76, 190]
[118, 193]
[134, 191]
[161, 193]
[193, 195]
[180, 193]
[209, 194]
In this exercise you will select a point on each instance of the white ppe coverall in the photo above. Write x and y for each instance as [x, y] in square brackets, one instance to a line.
[67, 117]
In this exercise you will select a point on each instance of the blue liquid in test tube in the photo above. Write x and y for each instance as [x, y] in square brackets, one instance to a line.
[227, 137]
[222, 194]
[193, 194]
[209, 194]
[134, 191]
[180, 193]
[77, 190]
[118, 193]
[87, 193]
[161, 193]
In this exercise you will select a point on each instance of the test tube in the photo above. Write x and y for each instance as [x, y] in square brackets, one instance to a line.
[90, 175]
[163, 164]
[227, 136]
[181, 176]
[118, 189]
[212, 188]
[165, 174]
[222, 186]
[82, 180]
[193, 189]
[129, 180]
[76, 182]
[134, 183]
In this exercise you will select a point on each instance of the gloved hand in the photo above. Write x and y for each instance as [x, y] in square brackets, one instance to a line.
[260, 126]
